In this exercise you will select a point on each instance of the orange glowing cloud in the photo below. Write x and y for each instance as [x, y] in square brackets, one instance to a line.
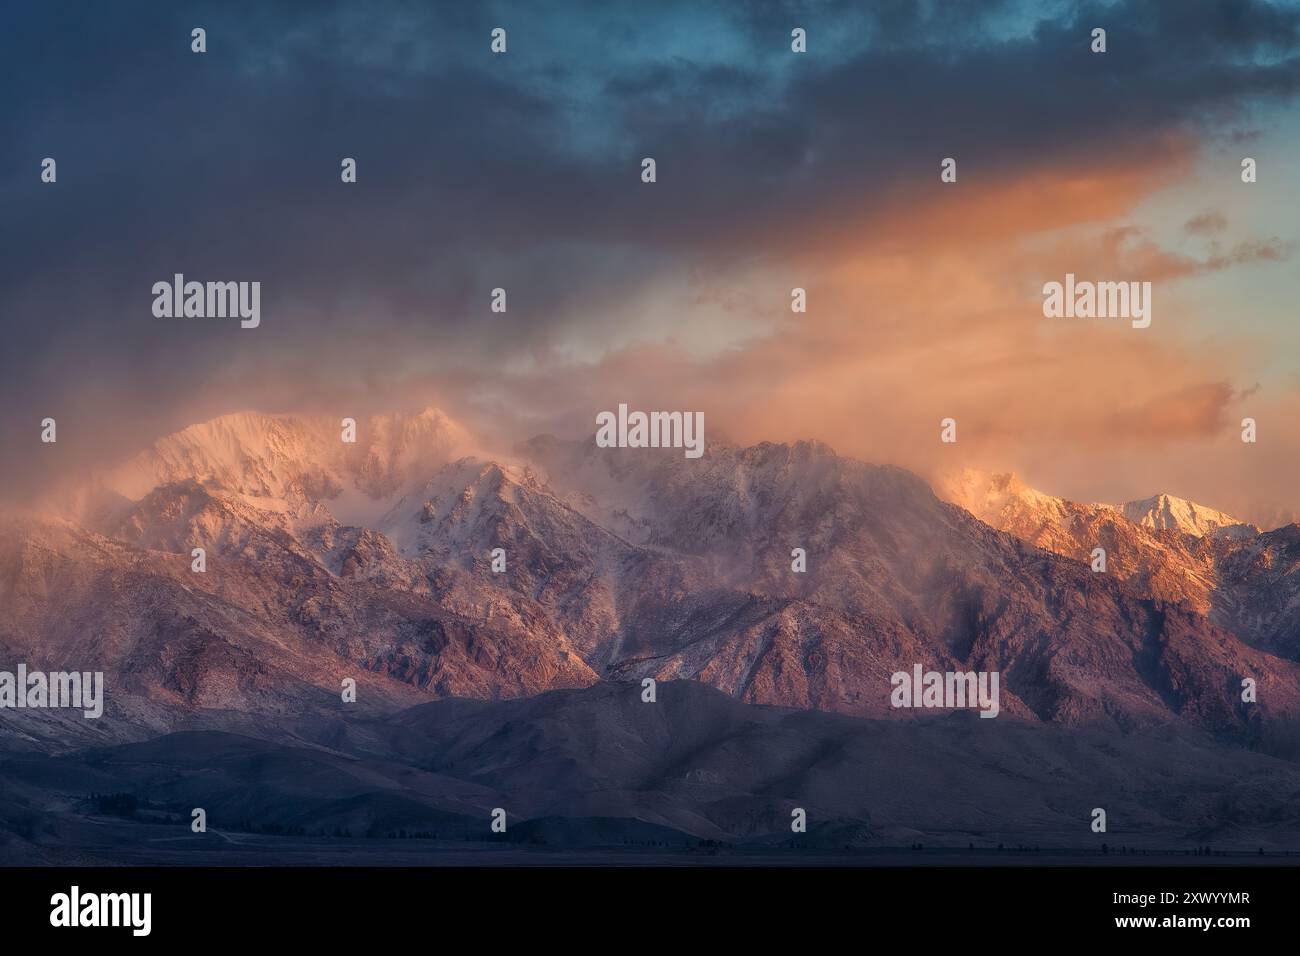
[933, 309]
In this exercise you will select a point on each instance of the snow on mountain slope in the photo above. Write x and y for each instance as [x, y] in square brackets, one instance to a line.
[1161, 562]
[1167, 513]
[286, 464]
[893, 573]
[1007, 503]
[628, 563]
[1163, 547]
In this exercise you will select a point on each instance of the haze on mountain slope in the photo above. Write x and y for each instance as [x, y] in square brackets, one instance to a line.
[1006, 502]
[1173, 550]
[373, 561]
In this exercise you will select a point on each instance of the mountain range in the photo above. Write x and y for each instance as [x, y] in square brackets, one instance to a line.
[374, 560]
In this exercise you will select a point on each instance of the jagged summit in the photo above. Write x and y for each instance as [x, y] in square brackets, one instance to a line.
[1169, 513]
[281, 462]
[1004, 501]
[998, 499]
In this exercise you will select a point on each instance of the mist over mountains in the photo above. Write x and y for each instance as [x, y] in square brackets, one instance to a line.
[373, 561]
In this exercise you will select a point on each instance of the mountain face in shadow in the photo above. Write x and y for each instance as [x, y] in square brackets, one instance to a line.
[601, 768]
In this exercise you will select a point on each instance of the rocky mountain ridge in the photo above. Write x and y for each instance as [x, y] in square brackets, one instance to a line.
[622, 564]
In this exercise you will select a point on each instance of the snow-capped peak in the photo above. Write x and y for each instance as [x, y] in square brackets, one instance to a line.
[1007, 503]
[281, 461]
[997, 498]
[1168, 513]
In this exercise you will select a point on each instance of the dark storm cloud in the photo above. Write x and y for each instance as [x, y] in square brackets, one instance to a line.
[520, 171]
